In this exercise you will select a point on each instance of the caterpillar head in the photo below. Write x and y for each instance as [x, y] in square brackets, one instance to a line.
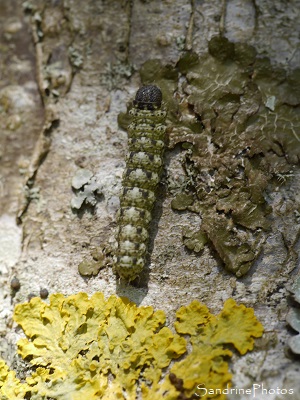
[148, 97]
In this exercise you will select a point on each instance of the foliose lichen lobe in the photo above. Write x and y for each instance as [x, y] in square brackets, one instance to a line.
[85, 347]
[237, 118]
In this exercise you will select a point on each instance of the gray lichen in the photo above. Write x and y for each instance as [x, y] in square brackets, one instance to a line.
[293, 318]
[76, 57]
[115, 74]
[86, 188]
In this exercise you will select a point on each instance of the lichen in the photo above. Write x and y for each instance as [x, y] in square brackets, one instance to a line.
[93, 264]
[237, 120]
[10, 386]
[86, 189]
[210, 335]
[112, 349]
[76, 57]
[194, 240]
[293, 318]
[114, 75]
[182, 201]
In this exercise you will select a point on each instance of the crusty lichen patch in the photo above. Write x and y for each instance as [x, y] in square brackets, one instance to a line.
[112, 349]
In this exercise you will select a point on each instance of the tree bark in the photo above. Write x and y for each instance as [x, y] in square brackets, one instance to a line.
[69, 69]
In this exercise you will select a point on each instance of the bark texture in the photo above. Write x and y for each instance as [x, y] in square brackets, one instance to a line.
[68, 70]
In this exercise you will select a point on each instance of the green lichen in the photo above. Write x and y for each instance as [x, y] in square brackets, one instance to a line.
[240, 116]
[237, 118]
[221, 48]
[194, 240]
[92, 266]
[112, 349]
[182, 201]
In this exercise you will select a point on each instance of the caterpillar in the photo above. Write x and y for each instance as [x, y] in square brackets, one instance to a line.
[144, 164]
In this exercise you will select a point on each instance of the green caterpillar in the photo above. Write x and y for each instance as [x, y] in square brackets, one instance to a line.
[144, 164]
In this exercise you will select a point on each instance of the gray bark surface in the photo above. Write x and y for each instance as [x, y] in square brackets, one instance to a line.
[67, 70]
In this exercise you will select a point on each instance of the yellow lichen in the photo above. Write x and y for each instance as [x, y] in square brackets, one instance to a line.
[10, 386]
[112, 349]
[235, 325]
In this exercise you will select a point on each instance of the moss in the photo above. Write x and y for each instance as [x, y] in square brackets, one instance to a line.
[112, 349]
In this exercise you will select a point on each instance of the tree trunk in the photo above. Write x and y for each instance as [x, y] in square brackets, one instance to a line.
[69, 71]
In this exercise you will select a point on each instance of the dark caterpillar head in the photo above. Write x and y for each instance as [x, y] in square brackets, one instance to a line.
[148, 97]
